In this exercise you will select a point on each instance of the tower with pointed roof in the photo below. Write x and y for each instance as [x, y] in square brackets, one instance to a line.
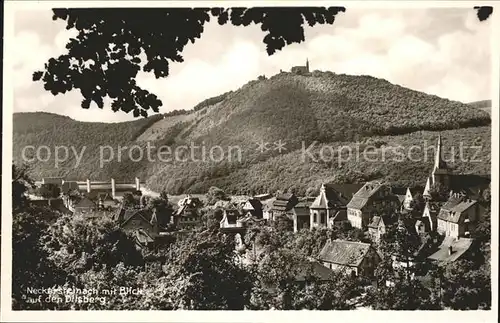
[440, 172]
[301, 70]
[427, 189]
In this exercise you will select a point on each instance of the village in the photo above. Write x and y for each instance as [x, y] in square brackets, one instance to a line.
[367, 207]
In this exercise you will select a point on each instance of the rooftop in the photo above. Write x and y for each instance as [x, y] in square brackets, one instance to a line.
[334, 195]
[458, 248]
[454, 207]
[342, 252]
[363, 195]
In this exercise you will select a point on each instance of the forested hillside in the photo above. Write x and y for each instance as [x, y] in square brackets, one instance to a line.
[332, 109]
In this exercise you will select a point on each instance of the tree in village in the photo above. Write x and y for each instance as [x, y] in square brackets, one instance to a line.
[78, 244]
[205, 273]
[211, 217]
[163, 208]
[398, 287]
[310, 242]
[93, 253]
[466, 284]
[282, 223]
[21, 183]
[418, 203]
[31, 266]
[439, 192]
[31, 263]
[486, 196]
[216, 194]
[287, 280]
[129, 200]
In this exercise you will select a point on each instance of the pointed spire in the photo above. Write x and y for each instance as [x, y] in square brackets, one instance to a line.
[427, 189]
[307, 64]
[438, 158]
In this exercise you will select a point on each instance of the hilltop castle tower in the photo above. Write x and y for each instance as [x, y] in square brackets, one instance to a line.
[301, 70]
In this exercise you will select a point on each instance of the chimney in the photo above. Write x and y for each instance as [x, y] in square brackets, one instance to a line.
[113, 188]
[450, 250]
[137, 184]
[88, 185]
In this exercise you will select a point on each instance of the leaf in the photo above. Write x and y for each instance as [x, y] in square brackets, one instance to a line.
[37, 76]
[483, 12]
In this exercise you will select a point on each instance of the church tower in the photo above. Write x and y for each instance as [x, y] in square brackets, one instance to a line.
[440, 172]
[438, 158]
[427, 189]
[307, 65]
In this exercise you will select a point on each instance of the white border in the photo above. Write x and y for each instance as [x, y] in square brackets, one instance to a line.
[231, 316]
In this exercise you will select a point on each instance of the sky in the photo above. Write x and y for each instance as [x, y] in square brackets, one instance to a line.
[440, 51]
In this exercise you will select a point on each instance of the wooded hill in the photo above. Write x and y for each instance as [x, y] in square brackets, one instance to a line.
[332, 109]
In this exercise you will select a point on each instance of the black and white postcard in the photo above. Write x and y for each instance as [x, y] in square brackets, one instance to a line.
[250, 161]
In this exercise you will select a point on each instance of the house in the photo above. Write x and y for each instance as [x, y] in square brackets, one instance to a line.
[131, 220]
[267, 206]
[222, 204]
[253, 207]
[105, 201]
[378, 227]
[331, 204]
[282, 204]
[301, 70]
[452, 249]
[187, 215]
[231, 223]
[301, 216]
[248, 220]
[400, 193]
[239, 200]
[143, 239]
[142, 224]
[263, 197]
[428, 221]
[84, 206]
[421, 227]
[191, 201]
[458, 216]
[355, 258]
[408, 200]
[374, 198]
[471, 185]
